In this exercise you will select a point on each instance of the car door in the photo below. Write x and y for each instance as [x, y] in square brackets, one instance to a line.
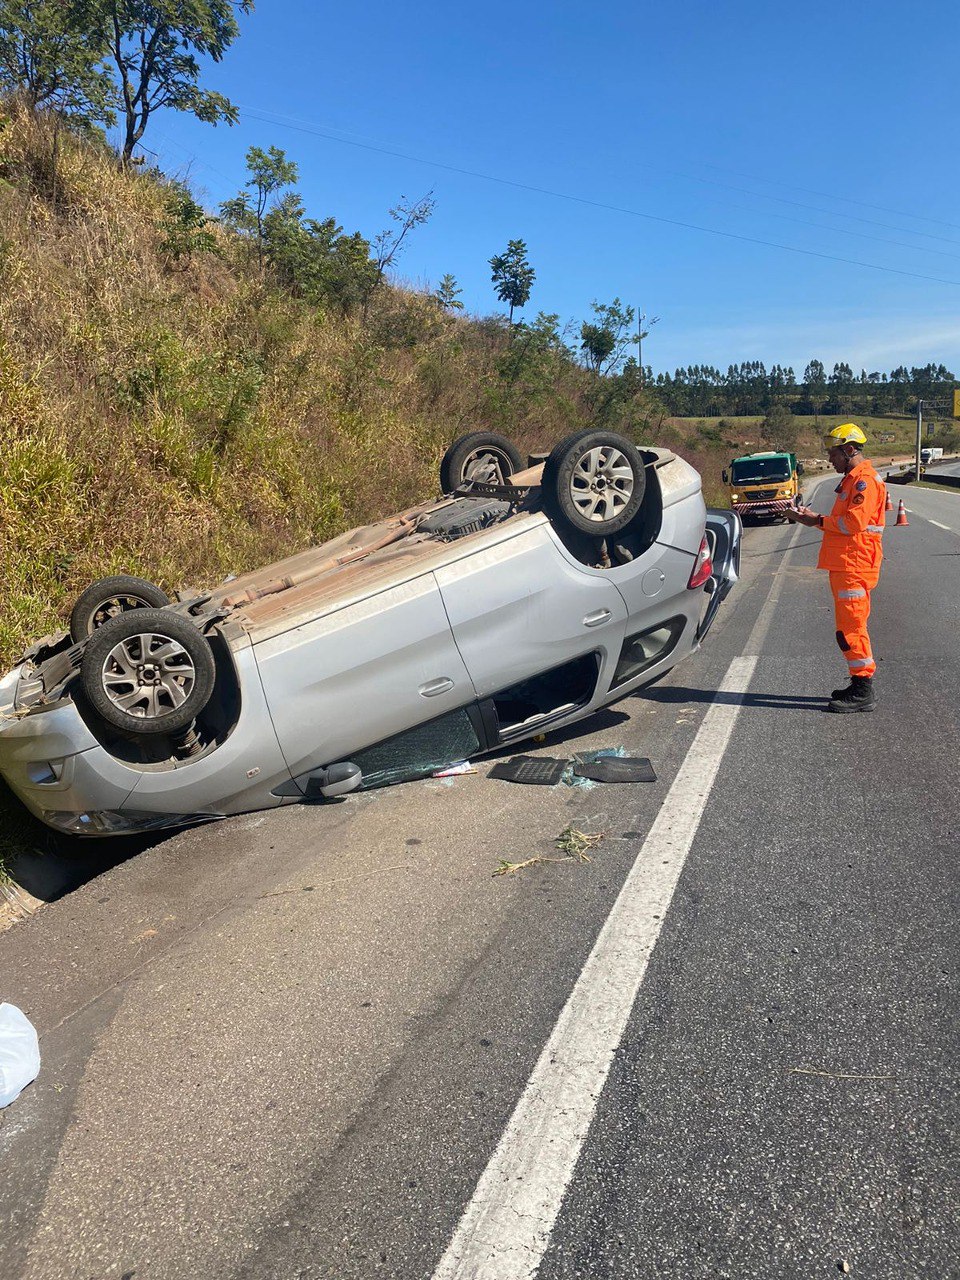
[362, 673]
[523, 605]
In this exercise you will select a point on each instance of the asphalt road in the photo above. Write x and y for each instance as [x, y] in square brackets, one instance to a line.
[292, 1044]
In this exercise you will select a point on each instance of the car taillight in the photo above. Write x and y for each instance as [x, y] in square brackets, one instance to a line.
[703, 568]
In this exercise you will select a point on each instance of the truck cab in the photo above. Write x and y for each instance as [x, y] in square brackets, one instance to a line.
[762, 486]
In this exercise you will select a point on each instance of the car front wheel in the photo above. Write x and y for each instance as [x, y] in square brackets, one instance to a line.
[108, 598]
[148, 672]
[595, 482]
[483, 456]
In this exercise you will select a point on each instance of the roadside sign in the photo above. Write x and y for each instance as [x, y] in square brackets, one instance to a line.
[956, 404]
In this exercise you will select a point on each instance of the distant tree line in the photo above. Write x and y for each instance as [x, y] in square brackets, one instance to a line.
[750, 388]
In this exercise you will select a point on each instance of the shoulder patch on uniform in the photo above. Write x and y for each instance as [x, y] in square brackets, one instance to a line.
[860, 486]
[856, 500]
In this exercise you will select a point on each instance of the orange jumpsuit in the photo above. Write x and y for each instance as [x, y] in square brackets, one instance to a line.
[852, 552]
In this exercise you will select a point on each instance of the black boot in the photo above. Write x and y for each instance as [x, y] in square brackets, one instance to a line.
[858, 696]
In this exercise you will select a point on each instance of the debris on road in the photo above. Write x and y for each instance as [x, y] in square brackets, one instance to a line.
[616, 769]
[572, 843]
[19, 1053]
[533, 770]
[455, 770]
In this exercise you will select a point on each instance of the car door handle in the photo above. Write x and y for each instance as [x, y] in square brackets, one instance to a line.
[597, 617]
[441, 685]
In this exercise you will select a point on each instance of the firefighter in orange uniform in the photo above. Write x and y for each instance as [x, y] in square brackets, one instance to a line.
[851, 551]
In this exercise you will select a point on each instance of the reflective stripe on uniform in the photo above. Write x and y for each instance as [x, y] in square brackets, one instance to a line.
[842, 524]
[854, 663]
[856, 593]
[874, 528]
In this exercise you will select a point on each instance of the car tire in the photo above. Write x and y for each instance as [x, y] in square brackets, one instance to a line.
[148, 672]
[594, 481]
[479, 455]
[108, 598]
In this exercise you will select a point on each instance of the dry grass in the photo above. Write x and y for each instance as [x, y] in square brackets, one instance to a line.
[183, 421]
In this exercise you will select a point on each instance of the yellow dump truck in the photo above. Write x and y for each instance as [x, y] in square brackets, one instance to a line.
[763, 485]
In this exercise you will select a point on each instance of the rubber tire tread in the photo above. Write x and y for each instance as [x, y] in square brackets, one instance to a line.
[104, 589]
[451, 464]
[557, 473]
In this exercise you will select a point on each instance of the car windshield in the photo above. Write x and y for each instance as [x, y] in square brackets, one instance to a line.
[760, 469]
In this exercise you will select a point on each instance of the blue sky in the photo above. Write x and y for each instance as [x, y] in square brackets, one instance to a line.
[828, 128]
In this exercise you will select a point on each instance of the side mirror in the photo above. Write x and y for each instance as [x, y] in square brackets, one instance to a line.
[725, 477]
[335, 780]
[799, 468]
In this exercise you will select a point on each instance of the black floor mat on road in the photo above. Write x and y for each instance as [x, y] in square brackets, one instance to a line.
[617, 769]
[537, 770]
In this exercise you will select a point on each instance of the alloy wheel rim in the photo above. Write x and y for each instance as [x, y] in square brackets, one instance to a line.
[113, 607]
[148, 675]
[602, 483]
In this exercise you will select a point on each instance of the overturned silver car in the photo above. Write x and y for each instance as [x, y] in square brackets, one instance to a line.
[524, 599]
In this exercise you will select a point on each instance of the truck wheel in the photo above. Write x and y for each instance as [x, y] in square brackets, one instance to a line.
[148, 672]
[109, 597]
[595, 482]
[480, 455]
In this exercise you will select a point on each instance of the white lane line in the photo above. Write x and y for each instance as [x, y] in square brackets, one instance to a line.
[506, 1226]
[940, 526]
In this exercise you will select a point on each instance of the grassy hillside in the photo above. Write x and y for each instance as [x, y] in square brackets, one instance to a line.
[185, 417]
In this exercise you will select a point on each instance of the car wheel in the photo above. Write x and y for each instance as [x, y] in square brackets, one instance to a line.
[108, 598]
[595, 481]
[148, 672]
[480, 455]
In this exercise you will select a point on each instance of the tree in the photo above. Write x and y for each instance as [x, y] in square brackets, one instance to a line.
[841, 387]
[605, 341]
[512, 275]
[270, 171]
[448, 295]
[154, 44]
[779, 427]
[185, 226]
[315, 259]
[48, 57]
[815, 385]
[407, 215]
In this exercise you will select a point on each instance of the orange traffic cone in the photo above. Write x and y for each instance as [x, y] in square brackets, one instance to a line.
[889, 506]
[902, 514]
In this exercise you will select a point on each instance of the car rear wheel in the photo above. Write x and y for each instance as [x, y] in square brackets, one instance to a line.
[595, 482]
[148, 672]
[108, 598]
[480, 455]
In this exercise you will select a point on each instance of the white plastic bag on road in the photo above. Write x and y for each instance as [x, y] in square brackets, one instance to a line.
[19, 1053]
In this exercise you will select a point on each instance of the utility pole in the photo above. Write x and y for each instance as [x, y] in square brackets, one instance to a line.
[641, 334]
[919, 433]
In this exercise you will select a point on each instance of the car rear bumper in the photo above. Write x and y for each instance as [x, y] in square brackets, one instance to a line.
[772, 507]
